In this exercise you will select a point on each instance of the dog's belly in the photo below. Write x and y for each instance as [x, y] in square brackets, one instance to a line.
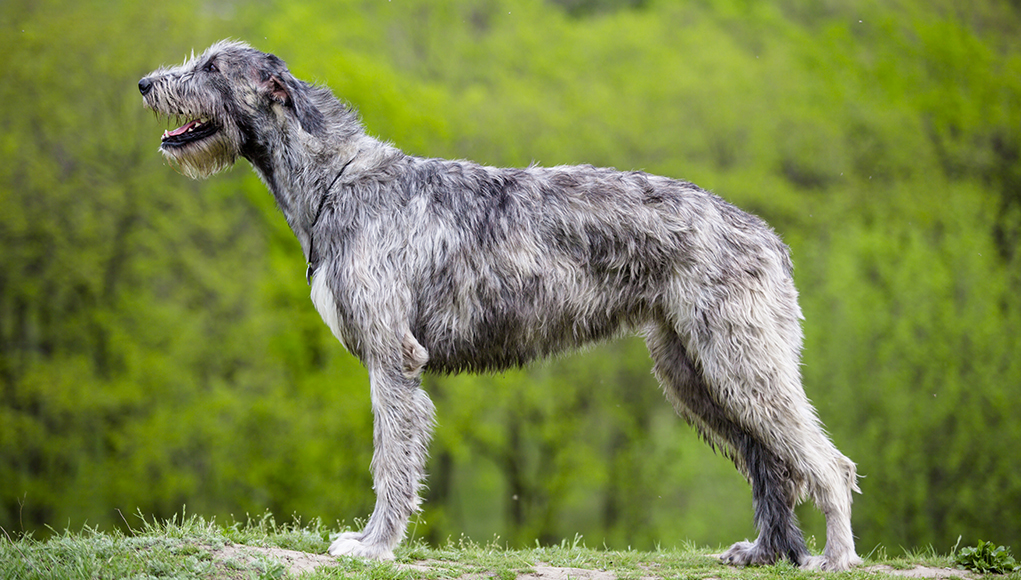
[491, 333]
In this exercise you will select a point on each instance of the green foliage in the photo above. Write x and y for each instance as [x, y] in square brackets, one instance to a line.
[984, 558]
[157, 345]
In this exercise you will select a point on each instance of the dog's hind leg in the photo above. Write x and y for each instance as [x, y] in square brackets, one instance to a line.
[744, 352]
[773, 492]
[831, 490]
[751, 365]
[402, 428]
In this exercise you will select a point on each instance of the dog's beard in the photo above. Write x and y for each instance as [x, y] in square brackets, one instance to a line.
[201, 146]
[203, 157]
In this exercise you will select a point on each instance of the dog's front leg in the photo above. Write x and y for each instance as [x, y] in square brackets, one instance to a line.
[403, 420]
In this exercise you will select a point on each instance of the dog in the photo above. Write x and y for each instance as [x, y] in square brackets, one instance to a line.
[420, 264]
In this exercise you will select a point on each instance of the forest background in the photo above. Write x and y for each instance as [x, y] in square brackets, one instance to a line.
[158, 348]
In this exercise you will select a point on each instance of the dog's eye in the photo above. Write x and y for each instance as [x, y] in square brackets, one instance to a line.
[210, 67]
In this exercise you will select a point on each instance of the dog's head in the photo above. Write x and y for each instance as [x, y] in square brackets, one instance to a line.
[225, 103]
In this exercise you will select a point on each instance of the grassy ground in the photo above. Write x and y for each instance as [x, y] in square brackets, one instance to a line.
[198, 548]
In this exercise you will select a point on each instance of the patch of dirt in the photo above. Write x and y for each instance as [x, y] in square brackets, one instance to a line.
[295, 562]
[543, 572]
[921, 572]
[299, 562]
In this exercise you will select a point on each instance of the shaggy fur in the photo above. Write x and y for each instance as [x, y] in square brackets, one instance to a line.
[448, 266]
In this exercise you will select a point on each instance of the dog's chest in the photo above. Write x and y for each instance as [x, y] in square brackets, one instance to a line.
[326, 305]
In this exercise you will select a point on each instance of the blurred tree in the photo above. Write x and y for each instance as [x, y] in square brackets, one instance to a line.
[139, 362]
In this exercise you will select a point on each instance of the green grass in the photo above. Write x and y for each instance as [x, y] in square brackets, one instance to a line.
[196, 548]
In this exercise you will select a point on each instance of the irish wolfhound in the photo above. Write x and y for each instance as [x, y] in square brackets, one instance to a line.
[427, 264]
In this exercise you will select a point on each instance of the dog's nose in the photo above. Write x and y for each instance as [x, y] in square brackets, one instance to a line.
[144, 86]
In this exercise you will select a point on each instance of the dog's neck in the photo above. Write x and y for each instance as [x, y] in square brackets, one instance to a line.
[301, 197]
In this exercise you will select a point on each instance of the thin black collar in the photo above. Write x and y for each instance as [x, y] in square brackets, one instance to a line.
[313, 255]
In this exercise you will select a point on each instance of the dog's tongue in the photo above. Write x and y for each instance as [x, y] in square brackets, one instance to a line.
[180, 130]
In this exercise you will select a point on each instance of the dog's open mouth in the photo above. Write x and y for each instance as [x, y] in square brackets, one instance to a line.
[190, 132]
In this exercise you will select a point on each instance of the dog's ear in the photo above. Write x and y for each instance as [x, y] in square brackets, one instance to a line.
[281, 86]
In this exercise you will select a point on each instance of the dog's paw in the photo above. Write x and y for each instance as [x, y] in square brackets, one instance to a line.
[831, 564]
[745, 554]
[351, 544]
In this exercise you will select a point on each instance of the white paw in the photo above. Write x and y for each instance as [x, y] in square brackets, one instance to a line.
[350, 544]
[830, 564]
